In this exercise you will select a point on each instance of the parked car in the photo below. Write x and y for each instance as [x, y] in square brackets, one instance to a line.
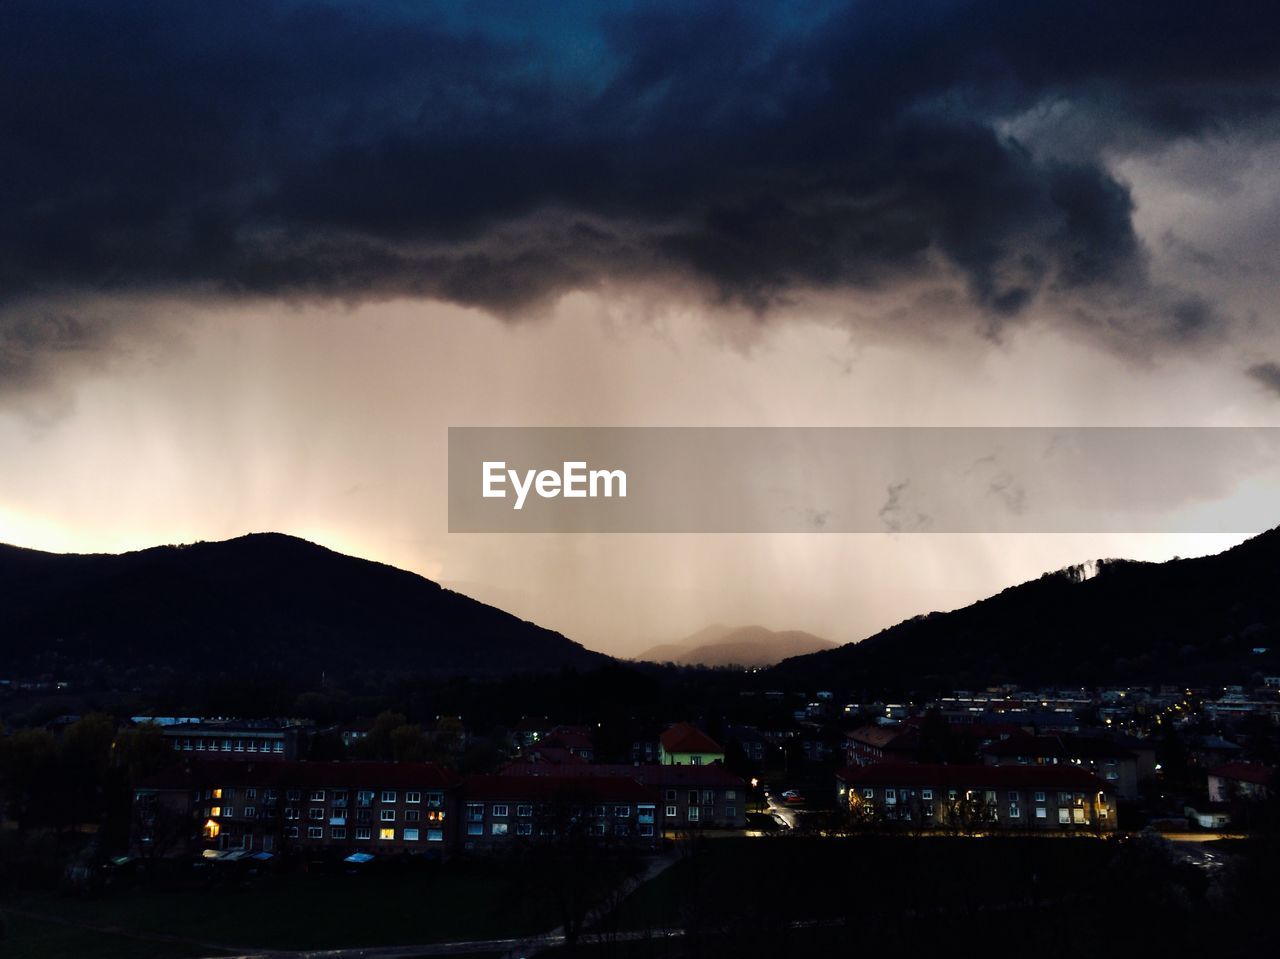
[792, 795]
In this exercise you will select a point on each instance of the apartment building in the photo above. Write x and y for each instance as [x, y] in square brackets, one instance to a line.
[240, 739]
[979, 798]
[1121, 762]
[278, 805]
[691, 797]
[497, 811]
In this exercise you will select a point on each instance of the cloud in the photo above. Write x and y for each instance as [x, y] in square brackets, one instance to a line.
[1268, 374]
[502, 157]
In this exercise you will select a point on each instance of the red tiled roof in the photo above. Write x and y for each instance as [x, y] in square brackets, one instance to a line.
[709, 777]
[1063, 746]
[564, 788]
[302, 774]
[887, 737]
[688, 738]
[1254, 773]
[970, 777]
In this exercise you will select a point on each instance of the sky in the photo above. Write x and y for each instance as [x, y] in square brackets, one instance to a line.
[256, 258]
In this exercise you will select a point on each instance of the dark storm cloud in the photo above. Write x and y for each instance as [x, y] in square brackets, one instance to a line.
[1268, 374]
[501, 158]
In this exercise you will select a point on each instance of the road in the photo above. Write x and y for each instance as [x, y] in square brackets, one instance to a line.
[782, 812]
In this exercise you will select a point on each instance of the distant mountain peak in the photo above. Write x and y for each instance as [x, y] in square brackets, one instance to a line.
[720, 645]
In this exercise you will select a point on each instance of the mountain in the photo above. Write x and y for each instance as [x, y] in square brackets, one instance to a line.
[721, 645]
[263, 601]
[1192, 621]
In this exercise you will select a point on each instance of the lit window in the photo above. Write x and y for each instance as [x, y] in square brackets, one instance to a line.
[926, 794]
[211, 830]
[215, 811]
[387, 833]
[1014, 812]
[435, 835]
[217, 794]
[1041, 812]
[693, 813]
[672, 812]
[411, 835]
[499, 829]
[475, 829]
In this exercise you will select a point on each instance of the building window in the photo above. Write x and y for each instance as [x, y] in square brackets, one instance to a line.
[1077, 815]
[251, 794]
[1064, 817]
[928, 810]
[435, 835]
[317, 795]
[475, 829]
[364, 815]
[339, 833]
[250, 812]
[387, 832]
[524, 810]
[435, 799]
[672, 812]
[413, 797]
[646, 830]
[315, 812]
[499, 829]
[693, 813]
[475, 812]
[868, 794]
[730, 811]
[1014, 812]
[315, 832]
[364, 797]
[524, 829]
[388, 795]
[364, 832]
[695, 760]
[926, 794]
[229, 812]
[411, 835]
[621, 812]
[500, 810]
[291, 813]
[277, 746]
[293, 795]
[1013, 796]
[1041, 812]
[387, 815]
[1039, 797]
[412, 815]
[730, 794]
[671, 795]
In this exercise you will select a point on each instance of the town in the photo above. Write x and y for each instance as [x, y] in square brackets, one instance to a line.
[220, 803]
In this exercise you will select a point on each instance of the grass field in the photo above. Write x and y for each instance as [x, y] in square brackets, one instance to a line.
[293, 912]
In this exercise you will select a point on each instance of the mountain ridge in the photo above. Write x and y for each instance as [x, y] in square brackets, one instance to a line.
[259, 601]
[720, 645]
[1113, 620]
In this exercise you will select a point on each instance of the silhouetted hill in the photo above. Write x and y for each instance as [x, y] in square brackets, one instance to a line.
[1185, 621]
[742, 646]
[264, 601]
